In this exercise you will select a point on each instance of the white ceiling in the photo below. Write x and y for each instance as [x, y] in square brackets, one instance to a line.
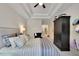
[39, 9]
[28, 11]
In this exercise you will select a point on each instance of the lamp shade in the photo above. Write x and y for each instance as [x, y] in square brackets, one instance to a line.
[22, 29]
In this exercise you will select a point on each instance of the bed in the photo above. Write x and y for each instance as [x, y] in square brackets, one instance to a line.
[31, 48]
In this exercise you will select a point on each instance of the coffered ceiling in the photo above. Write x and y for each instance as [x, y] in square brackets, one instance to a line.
[27, 10]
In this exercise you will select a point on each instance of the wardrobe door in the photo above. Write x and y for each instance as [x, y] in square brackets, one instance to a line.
[66, 33]
[62, 33]
[57, 33]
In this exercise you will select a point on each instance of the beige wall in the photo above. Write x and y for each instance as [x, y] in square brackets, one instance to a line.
[9, 18]
[51, 30]
[50, 24]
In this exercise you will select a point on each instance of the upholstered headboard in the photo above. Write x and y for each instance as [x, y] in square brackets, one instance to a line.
[6, 30]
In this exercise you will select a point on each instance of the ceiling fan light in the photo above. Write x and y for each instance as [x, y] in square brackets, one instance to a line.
[40, 3]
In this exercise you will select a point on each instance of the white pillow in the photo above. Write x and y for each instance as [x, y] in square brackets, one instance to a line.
[19, 42]
[16, 42]
[12, 41]
[24, 37]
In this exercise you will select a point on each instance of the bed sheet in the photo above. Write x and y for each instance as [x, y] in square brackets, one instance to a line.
[31, 48]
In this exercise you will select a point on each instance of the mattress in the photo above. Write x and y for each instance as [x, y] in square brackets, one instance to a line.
[31, 48]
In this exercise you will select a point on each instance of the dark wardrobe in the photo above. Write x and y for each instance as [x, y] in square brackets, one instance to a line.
[62, 33]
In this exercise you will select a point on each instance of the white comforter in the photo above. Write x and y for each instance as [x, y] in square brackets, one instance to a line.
[31, 48]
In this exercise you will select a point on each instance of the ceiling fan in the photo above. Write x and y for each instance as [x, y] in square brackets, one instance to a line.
[43, 5]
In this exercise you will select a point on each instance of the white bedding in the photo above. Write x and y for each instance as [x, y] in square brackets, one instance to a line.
[31, 48]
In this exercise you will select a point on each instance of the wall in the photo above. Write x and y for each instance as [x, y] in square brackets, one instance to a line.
[8, 18]
[50, 24]
[51, 30]
[74, 13]
[33, 26]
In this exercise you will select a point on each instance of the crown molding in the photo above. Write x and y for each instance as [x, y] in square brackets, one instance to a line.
[52, 11]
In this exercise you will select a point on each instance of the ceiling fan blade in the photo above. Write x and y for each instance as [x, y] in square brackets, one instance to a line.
[44, 6]
[36, 4]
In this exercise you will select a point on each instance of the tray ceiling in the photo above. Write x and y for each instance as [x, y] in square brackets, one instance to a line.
[28, 11]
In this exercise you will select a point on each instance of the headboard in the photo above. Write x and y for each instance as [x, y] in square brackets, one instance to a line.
[7, 30]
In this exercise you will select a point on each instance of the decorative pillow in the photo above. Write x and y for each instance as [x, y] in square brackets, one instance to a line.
[20, 42]
[6, 41]
[17, 41]
[1, 42]
[12, 41]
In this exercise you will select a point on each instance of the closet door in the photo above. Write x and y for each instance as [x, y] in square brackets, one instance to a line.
[57, 33]
[62, 33]
[65, 33]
